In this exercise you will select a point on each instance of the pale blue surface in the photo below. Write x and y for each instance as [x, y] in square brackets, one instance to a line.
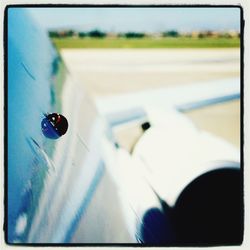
[139, 19]
[36, 80]
[30, 58]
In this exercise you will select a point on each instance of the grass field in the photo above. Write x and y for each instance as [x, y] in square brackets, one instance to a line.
[180, 42]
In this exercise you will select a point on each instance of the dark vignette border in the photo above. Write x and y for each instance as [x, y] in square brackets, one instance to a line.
[5, 33]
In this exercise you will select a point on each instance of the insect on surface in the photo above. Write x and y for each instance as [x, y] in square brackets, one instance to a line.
[54, 125]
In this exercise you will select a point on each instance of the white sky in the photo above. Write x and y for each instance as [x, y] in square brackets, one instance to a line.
[139, 19]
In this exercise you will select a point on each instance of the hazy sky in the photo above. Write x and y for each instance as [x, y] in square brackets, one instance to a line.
[139, 19]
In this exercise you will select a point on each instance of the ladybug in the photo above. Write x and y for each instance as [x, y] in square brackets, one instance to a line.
[54, 125]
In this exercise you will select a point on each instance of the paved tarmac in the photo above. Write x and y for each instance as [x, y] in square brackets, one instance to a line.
[113, 71]
[106, 72]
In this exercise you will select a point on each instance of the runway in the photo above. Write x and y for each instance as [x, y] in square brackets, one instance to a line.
[113, 71]
[107, 72]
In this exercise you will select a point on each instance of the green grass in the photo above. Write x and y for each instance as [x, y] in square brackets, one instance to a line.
[180, 42]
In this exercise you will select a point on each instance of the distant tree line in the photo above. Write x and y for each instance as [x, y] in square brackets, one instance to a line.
[58, 34]
[131, 35]
[70, 33]
[93, 33]
[171, 33]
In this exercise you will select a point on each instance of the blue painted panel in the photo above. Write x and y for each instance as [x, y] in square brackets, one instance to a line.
[42, 209]
[31, 92]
